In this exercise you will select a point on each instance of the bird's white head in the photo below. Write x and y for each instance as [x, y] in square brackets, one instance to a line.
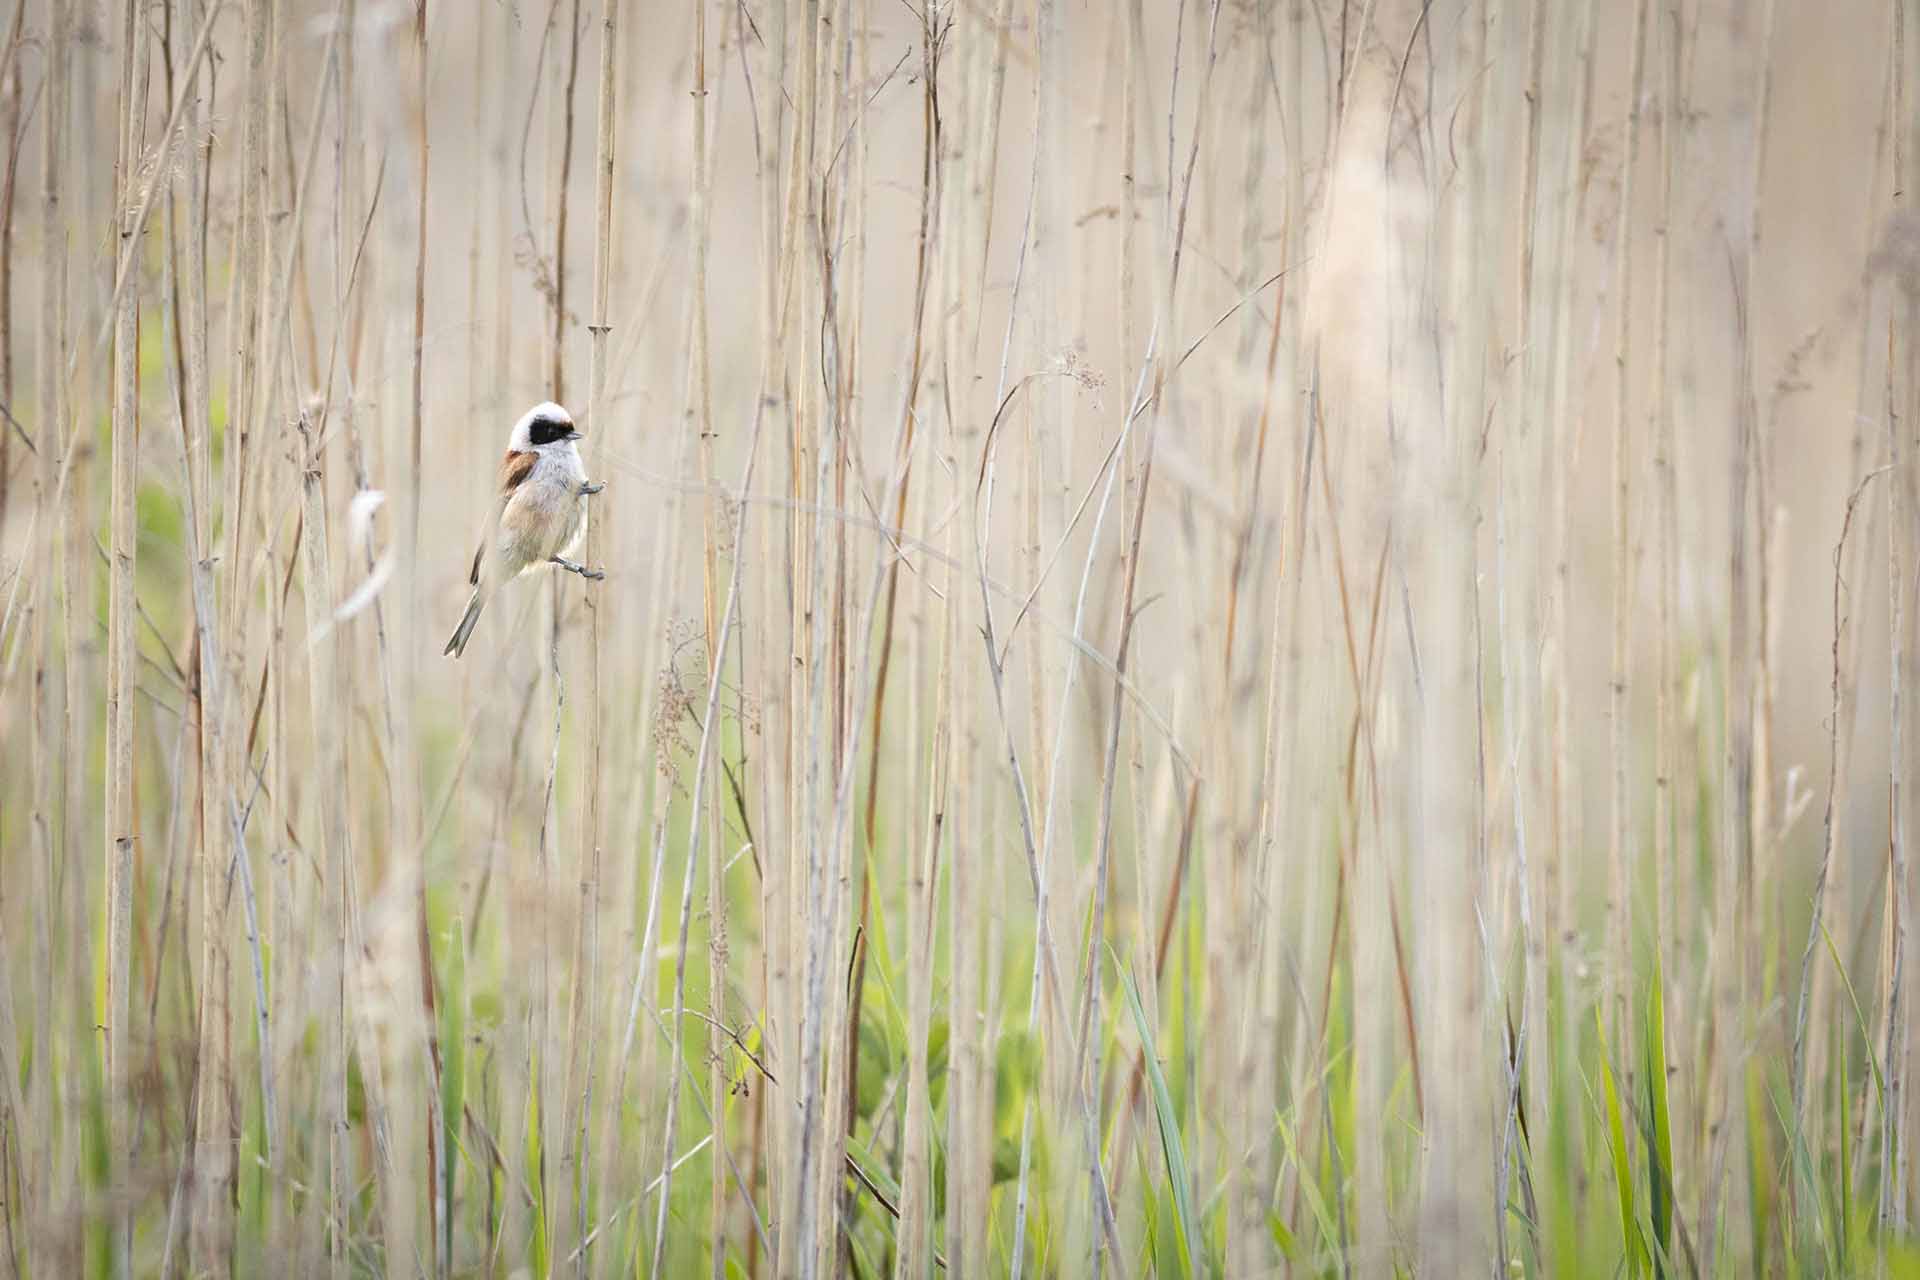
[543, 427]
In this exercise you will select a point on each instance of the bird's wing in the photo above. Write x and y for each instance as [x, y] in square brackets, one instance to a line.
[514, 469]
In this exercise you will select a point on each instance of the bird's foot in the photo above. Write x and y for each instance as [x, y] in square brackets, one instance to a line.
[595, 575]
[588, 490]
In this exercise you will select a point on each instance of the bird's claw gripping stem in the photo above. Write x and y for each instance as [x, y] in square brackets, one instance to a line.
[595, 575]
[588, 490]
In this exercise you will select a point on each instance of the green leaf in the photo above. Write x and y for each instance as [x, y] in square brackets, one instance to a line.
[1316, 1204]
[1187, 1233]
[1282, 1238]
[1816, 1221]
[1622, 1161]
[1660, 1136]
[537, 1247]
[453, 1072]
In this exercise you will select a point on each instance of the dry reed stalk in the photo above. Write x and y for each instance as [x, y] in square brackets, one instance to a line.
[543, 1045]
[1305, 1050]
[837, 224]
[184, 804]
[190, 304]
[330, 676]
[583, 1036]
[851, 173]
[15, 125]
[1527, 1059]
[818, 728]
[121, 822]
[35, 1147]
[1764, 903]
[422, 154]
[1620, 906]
[1245, 1074]
[212, 1225]
[798, 1191]
[1826, 1011]
[87, 497]
[1748, 733]
[1136, 765]
[700, 410]
[269, 929]
[404, 750]
[556, 342]
[1666, 879]
[915, 1236]
[474, 453]
[250, 521]
[266, 748]
[49, 766]
[1448, 874]
[1561, 851]
[772, 1146]
[333, 848]
[1674, 888]
[968, 1139]
[773, 1153]
[838, 360]
[1896, 1052]
[1816, 925]
[1733, 875]
[985, 155]
[1050, 444]
[848, 175]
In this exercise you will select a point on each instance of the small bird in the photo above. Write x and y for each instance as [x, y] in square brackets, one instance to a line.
[540, 515]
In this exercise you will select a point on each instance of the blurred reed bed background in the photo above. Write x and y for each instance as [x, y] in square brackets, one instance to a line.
[1241, 637]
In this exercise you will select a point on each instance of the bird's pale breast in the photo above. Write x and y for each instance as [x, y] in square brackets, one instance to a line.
[546, 515]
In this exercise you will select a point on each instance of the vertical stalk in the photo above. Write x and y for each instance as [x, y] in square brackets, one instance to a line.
[404, 766]
[1666, 745]
[1893, 1153]
[799, 1208]
[700, 391]
[1562, 864]
[323, 701]
[10, 74]
[121, 821]
[422, 155]
[587, 959]
[1619, 860]
[48, 769]
[557, 340]
[190, 283]
[1524, 1059]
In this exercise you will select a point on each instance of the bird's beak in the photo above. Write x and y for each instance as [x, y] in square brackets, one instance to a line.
[574, 435]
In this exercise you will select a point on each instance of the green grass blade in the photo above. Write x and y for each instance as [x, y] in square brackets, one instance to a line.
[453, 1074]
[1187, 1225]
[1316, 1204]
[1660, 1130]
[537, 1246]
[1859, 1014]
[1622, 1160]
[1819, 1220]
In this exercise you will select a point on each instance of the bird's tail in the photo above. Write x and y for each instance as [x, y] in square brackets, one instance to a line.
[458, 644]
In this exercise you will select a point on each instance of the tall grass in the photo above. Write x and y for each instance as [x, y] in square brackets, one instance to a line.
[1239, 638]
